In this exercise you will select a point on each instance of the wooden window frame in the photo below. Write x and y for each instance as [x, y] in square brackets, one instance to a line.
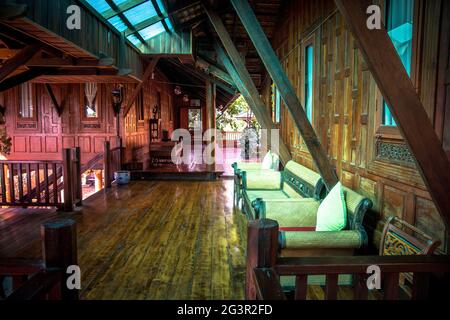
[91, 124]
[140, 108]
[27, 124]
[393, 132]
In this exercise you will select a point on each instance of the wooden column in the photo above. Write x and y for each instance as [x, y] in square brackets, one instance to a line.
[68, 180]
[59, 247]
[287, 91]
[77, 176]
[405, 105]
[236, 69]
[262, 248]
[211, 120]
[107, 164]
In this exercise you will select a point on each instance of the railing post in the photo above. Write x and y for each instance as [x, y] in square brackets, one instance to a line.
[121, 155]
[77, 178]
[59, 247]
[262, 249]
[107, 164]
[68, 179]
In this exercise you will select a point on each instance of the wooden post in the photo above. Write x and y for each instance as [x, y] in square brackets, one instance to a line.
[68, 180]
[98, 180]
[287, 91]
[59, 247]
[78, 185]
[107, 164]
[211, 121]
[262, 248]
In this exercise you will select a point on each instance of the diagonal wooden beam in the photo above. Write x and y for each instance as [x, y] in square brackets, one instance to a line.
[21, 58]
[287, 91]
[58, 107]
[236, 69]
[405, 105]
[148, 72]
[21, 78]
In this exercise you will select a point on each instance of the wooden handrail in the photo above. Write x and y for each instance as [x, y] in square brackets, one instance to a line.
[18, 267]
[44, 285]
[359, 264]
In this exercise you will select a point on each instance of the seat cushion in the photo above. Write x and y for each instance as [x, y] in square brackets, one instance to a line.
[332, 213]
[265, 194]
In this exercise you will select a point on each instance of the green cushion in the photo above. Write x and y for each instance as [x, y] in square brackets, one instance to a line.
[265, 194]
[332, 213]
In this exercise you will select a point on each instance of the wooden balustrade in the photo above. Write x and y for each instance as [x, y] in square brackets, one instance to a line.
[40, 183]
[44, 279]
[112, 161]
[264, 269]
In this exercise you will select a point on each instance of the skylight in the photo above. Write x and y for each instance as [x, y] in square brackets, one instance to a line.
[140, 20]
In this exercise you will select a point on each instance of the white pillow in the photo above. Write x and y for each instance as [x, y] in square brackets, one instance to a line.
[267, 161]
[332, 213]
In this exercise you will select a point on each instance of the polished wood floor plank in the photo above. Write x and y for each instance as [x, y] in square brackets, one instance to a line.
[148, 240]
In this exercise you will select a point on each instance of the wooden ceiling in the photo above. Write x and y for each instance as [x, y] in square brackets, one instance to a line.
[189, 14]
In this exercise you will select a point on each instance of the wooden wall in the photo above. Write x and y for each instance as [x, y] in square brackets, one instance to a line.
[45, 138]
[371, 159]
[137, 133]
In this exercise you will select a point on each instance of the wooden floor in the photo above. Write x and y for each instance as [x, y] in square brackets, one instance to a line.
[148, 240]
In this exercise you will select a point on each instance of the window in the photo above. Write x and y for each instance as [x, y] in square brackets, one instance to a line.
[309, 76]
[399, 24]
[195, 119]
[276, 104]
[90, 101]
[26, 106]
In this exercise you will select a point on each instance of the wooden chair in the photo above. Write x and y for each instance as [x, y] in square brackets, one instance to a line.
[400, 238]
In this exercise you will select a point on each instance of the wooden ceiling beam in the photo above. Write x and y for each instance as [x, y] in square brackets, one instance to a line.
[405, 105]
[287, 91]
[21, 78]
[235, 67]
[18, 60]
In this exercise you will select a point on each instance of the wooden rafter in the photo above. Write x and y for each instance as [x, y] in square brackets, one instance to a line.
[21, 78]
[18, 60]
[161, 16]
[287, 91]
[122, 8]
[405, 105]
[148, 72]
[236, 69]
[126, 21]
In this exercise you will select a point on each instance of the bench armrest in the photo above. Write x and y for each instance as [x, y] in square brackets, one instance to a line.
[246, 166]
[288, 212]
[261, 180]
[346, 239]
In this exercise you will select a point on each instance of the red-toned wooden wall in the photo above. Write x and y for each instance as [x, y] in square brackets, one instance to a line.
[45, 138]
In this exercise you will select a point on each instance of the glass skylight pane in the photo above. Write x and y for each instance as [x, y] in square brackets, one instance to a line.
[99, 5]
[140, 13]
[134, 40]
[152, 31]
[169, 25]
[119, 2]
[118, 23]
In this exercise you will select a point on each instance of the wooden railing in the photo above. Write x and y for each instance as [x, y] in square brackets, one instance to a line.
[30, 183]
[40, 183]
[264, 269]
[44, 279]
